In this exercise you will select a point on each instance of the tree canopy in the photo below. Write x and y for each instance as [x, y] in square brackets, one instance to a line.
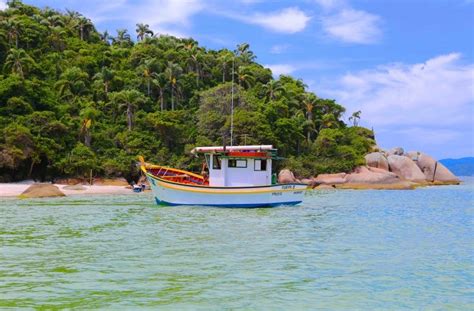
[73, 99]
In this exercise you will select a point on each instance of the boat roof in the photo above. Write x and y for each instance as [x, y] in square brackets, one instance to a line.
[231, 148]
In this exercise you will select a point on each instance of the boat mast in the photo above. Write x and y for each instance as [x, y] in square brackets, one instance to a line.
[232, 106]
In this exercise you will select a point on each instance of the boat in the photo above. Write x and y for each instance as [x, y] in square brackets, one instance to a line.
[234, 176]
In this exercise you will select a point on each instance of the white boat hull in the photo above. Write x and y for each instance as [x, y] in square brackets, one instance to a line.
[170, 193]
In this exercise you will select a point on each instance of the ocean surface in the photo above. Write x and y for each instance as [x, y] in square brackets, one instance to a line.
[346, 249]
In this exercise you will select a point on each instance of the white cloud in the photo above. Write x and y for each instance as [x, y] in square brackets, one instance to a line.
[419, 106]
[281, 69]
[164, 16]
[289, 20]
[3, 5]
[353, 26]
[279, 48]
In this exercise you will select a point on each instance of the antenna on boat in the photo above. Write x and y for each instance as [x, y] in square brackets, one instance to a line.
[232, 106]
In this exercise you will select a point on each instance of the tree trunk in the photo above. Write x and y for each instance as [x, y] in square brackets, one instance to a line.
[148, 86]
[223, 74]
[31, 168]
[129, 117]
[162, 103]
[172, 99]
[87, 139]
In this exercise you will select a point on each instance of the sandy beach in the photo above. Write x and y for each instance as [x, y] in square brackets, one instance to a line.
[15, 189]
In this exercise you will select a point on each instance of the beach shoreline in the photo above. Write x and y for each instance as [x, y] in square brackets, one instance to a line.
[16, 189]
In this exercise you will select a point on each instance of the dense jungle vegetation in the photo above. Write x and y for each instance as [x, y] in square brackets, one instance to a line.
[73, 99]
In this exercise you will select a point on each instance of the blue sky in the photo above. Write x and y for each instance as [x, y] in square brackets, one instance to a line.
[407, 64]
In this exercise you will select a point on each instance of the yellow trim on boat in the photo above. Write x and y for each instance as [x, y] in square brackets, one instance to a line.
[210, 190]
[144, 169]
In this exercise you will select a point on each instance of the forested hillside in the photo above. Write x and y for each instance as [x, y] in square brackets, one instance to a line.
[73, 99]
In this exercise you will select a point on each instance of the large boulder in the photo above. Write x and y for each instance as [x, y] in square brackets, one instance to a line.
[309, 181]
[405, 168]
[376, 159]
[432, 169]
[286, 177]
[42, 191]
[330, 179]
[364, 175]
[396, 151]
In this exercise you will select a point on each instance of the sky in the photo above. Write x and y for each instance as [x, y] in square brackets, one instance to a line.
[408, 65]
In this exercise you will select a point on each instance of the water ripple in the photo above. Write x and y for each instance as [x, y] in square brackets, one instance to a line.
[337, 250]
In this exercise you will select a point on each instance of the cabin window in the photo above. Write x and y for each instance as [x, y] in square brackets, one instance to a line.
[237, 163]
[260, 165]
[216, 162]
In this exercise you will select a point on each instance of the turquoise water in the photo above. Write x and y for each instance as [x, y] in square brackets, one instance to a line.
[337, 250]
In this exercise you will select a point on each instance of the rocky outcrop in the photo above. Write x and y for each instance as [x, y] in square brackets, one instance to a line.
[42, 191]
[331, 179]
[405, 168]
[385, 170]
[286, 177]
[432, 169]
[364, 175]
[396, 151]
[377, 160]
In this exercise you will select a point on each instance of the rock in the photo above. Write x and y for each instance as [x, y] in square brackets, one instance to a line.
[42, 191]
[377, 159]
[364, 175]
[427, 165]
[330, 179]
[396, 151]
[286, 177]
[405, 168]
[310, 182]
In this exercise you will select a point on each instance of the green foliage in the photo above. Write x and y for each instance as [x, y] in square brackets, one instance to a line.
[74, 100]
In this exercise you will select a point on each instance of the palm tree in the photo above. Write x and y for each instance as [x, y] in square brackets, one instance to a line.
[56, 38]
[54, 20]
[148, 67]
[129, 99]
[194, 54]
[122, 37]
[225, 58]
[105, 75]
[105, 36]
[355, 117]
[85, 26]
[71, 20]
[159, 80]
[72, 83]
[143, 31]
[245, 77]
[272, 88]
[13, 31]
[172, 72]
[309, 103]
[18, 61]
[88, 114]
[244, 53]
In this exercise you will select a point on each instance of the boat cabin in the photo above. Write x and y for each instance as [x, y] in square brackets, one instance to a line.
[238, 166]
